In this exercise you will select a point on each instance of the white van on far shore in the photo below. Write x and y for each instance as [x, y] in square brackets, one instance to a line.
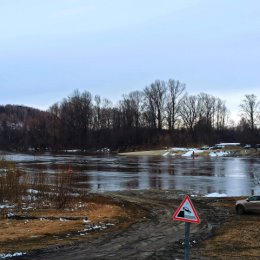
[224, 145]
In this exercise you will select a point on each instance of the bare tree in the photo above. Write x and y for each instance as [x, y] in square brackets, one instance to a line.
[106, 119]
[207, 104]
[76, 119]
[221, 114]
[155, 99]
[127, 110]
[176, 92]
[130, 108]
[136, 101]
[54, 124]
[249, 110]
[97, 113]
[190, 111]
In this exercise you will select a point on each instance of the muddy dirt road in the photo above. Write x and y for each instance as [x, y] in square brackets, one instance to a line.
[153, 234]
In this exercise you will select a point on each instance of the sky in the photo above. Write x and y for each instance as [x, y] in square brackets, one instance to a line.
[50, 48]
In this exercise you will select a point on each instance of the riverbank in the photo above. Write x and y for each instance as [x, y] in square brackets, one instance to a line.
[141, 227]
[189, 152]
[144, 153]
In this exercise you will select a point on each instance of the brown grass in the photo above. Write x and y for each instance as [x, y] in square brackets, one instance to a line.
[239, 237]
[34, 234]
[53, 211]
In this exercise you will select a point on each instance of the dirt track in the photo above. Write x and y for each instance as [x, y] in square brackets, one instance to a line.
[155, 235]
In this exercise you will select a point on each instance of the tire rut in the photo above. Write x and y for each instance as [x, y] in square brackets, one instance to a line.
[156, 236]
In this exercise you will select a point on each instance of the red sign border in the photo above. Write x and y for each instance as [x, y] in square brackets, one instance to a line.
[175, 217]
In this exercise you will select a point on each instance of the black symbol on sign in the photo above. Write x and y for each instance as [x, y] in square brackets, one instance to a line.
[187, 209]
[181, 214]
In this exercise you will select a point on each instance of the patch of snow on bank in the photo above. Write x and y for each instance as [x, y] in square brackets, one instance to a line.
[180, 149]
[33, 191]
[9, 255]
[214, 154]
[3, 206]
[166, 153]
[216, 195]
[190, 152]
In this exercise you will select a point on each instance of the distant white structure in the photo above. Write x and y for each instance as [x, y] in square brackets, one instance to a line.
[223, 145]
[230, 144]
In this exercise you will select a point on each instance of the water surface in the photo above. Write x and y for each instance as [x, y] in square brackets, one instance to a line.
[230, 176]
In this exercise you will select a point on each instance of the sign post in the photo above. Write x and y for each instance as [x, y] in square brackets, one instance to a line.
[187, 241]
[187, 213]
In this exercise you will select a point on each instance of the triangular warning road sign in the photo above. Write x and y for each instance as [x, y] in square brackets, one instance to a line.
[186, 212]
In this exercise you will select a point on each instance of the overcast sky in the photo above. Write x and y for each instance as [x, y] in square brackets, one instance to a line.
[48, 48]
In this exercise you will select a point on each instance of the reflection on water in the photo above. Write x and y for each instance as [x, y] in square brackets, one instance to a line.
[232, 176]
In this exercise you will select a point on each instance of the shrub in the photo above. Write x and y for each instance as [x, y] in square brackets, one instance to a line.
[62, 185]
[13, 183]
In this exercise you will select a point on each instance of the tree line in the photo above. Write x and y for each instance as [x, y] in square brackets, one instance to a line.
[162, 114]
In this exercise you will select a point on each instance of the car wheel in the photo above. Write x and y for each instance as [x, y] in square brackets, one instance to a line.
[240, 210]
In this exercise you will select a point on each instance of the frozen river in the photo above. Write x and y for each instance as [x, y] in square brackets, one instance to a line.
[230, 176]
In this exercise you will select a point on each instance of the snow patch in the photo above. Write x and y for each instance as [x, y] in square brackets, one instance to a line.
[180, 149]
[215, 154]
[216, 195]
[9, 255]
[189, 153]
[166, 153]
[32, 191]
[4, 206]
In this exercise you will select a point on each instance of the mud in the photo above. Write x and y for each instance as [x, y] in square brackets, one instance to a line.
[153, 234]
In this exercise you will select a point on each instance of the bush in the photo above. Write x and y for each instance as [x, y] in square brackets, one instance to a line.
[13, 183]
[62, 195]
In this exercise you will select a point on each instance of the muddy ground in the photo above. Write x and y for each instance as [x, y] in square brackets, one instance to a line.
[150, 232]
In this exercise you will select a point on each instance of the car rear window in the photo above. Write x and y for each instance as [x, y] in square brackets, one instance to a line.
[253, 198]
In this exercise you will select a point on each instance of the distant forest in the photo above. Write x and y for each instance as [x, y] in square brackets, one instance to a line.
[162, 114]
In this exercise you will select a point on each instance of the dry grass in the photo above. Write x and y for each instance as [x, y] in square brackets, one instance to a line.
[50, 214]
[32, 234]
[238, 238]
